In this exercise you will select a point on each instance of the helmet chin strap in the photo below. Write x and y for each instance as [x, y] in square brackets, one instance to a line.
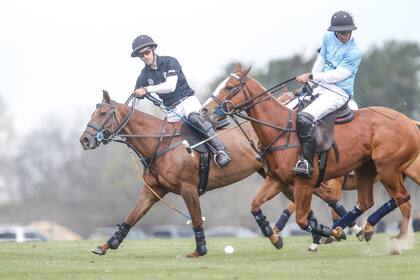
[154, 64]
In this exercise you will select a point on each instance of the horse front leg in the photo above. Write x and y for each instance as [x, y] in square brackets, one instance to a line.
[144, 202]
[190, 195]
[304, 215]
[330, 192]
[270, 188]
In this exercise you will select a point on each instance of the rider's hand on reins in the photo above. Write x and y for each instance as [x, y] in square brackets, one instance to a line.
[140, 92]
[304, 78]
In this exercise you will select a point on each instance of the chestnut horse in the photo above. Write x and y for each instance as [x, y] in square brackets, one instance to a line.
[348, 182]
[175, 171]
[379, 141]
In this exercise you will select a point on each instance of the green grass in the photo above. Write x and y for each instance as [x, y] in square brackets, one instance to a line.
[253, 259]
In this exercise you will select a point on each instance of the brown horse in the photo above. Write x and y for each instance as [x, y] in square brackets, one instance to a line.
[348, 182]
[175, 171]
[379, 141]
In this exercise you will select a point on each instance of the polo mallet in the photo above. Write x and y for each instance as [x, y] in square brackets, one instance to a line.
[190, 148]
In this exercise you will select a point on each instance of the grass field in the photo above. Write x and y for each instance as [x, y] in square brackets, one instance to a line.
[253, 259]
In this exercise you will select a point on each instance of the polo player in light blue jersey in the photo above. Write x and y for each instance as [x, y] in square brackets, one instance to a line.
[334, 70]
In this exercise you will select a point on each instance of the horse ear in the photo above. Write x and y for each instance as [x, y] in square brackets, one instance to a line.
[246, 71]
[106, 97]
[238, 68]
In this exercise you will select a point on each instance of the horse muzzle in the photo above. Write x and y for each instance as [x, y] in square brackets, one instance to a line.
[209, 115]
[88, 141]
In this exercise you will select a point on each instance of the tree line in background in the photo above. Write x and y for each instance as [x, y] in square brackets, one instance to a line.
[49, 176]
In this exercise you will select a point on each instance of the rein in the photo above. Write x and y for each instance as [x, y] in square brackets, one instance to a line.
[248, 103]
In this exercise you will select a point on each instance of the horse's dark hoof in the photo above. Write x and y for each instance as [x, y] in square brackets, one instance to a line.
[340, 234]
[326, 240]
[277, 241]
[360, 235]
[98, 251]
[368, 235]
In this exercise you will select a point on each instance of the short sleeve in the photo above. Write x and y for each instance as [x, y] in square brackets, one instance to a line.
[173, 67]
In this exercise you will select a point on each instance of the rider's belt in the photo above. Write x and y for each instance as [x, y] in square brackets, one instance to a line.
[176, 103]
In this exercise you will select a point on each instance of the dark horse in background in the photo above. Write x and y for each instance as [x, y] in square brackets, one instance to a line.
[378, 142]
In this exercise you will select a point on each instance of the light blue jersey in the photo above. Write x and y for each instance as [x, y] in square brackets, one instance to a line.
[337, 54]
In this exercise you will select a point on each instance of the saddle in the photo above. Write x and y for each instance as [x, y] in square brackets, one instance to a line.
[193, 137]
[324, 134]
[324, 128]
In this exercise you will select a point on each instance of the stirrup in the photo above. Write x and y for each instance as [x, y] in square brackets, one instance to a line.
[219, 155]
[302, 169]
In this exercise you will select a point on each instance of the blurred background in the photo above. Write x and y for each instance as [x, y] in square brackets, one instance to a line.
[57, 56]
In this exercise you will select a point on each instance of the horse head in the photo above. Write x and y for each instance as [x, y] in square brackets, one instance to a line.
[102, 124]
[226, 97]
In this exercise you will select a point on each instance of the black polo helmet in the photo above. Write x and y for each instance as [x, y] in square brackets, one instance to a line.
[342, 21]
[141, 42]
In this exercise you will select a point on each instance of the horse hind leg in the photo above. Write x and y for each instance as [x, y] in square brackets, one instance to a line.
[405, 209]
[269, 189]
[284, 217]
[394, 184]
[365, 176]
[144, 202]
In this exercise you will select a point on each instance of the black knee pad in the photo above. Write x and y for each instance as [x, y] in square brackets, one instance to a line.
[304, 124]
[196, 119]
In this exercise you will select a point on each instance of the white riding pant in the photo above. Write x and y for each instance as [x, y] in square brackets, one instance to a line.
[189, 105]
[328, 100]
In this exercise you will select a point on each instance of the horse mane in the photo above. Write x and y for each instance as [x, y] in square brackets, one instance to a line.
[264, 89]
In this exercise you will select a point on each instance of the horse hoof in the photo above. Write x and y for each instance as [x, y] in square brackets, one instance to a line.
[368, 235]
[98, 251]
[360, 235]
[326, 240]
[340, 234]
[277, 241]
[313, 248]
[194, 254]
[399, 237]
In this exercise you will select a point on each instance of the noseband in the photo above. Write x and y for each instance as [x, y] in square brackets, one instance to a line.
[223, 106]
[103, 133]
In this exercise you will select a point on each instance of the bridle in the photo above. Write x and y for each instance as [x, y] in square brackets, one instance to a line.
[104, 132]
[236, 110]
[222, 107]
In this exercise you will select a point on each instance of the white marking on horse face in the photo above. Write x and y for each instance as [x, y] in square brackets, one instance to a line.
[217, 90]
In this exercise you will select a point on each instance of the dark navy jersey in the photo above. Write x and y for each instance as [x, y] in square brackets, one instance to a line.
[166, 66]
